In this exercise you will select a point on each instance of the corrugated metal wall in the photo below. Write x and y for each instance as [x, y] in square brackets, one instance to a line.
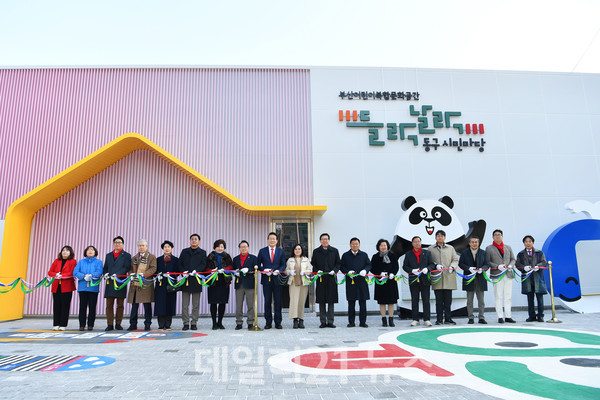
[248, 130]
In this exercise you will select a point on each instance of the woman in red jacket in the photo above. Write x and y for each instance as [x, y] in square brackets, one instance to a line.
[63, 286]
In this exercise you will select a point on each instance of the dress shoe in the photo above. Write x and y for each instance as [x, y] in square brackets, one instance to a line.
[500, 320]
[510, 320]
[540, 319]
[471, 321]
[109, 328]
[414, 323]
[295, 326]
[427, 323]
[530, 319]
[147, 327]
[118, 327]
[82, 328]
[363, 325]
[90, 328]
[215, 327]
[323, 325]
[482, 321]
[167, 328]
[278, 326]
[351, 325]
[238, 327]
[220, 326]
[268, 326]
[450, 322]
[250, 327]
[439, 323]
[194, 327]
[132, 328]
[301, 323]
[185, 328]
[330, 325]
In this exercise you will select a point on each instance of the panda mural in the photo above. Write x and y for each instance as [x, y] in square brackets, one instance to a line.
[424, 218]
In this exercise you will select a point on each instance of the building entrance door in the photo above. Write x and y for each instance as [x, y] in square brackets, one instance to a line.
[291, 231]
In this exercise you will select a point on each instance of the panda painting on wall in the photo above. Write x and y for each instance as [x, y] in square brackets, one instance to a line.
[424, 218]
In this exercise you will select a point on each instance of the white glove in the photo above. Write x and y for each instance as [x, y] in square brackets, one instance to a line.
[351, 272]
[415, 271]
[424, 271]
[237, 273]
[221, 270]
[292, 273]
[527, 268]
[301, 273]
[87, 277]
[384, 274]
[106, 275]
[58, 275]
[186, 274]
[245, 270]
[193, 272]
[392, 276]
[480, 271]
[276, 272]
[439, 266]
[502, 267]
[363, 273]
[472, 270]
[319, 272]
[114, 276]
[268, 271]
[332, 272]
[536, 268]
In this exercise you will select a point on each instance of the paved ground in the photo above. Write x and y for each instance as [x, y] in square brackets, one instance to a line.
[228, 364]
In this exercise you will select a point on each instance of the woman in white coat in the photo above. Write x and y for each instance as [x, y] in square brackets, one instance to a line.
[297, 266]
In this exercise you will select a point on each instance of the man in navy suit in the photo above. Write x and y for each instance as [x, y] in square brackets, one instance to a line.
[271, 260]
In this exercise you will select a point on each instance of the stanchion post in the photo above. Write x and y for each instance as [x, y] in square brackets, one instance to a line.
[255, 327]
[554, 319]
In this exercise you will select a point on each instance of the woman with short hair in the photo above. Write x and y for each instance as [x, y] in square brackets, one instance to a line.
[218, 293]
[165, 296]
[88, 271]
[385, 264]
[63, 286]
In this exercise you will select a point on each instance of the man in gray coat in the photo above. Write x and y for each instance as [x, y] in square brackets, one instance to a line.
[502, 261]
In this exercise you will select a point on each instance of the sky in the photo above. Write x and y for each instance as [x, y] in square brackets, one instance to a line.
[561, 36]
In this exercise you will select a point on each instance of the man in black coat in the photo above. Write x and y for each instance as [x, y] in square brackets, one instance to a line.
[356, 261]
[191, 260]
[244, 285]
[117, 262]
[326, 260]
[474, 261]
[417, 263]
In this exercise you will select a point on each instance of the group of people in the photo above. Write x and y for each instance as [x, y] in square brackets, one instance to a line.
[425, 267]
[435, 267]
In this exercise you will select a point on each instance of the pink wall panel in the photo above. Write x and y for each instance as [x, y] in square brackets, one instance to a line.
[248, 130]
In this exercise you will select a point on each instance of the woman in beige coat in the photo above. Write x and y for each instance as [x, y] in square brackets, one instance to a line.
[446, 260]
[296, 267]
[144, 264]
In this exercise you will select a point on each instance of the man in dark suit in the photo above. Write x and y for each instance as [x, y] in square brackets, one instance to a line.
[356, 261]
[244, 285]
[117, 262]
[271, 260]
[191, 260]
[474, 261]
[418, 263]
[326, 260]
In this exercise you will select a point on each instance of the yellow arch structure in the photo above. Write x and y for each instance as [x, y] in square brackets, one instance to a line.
[19, 216]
